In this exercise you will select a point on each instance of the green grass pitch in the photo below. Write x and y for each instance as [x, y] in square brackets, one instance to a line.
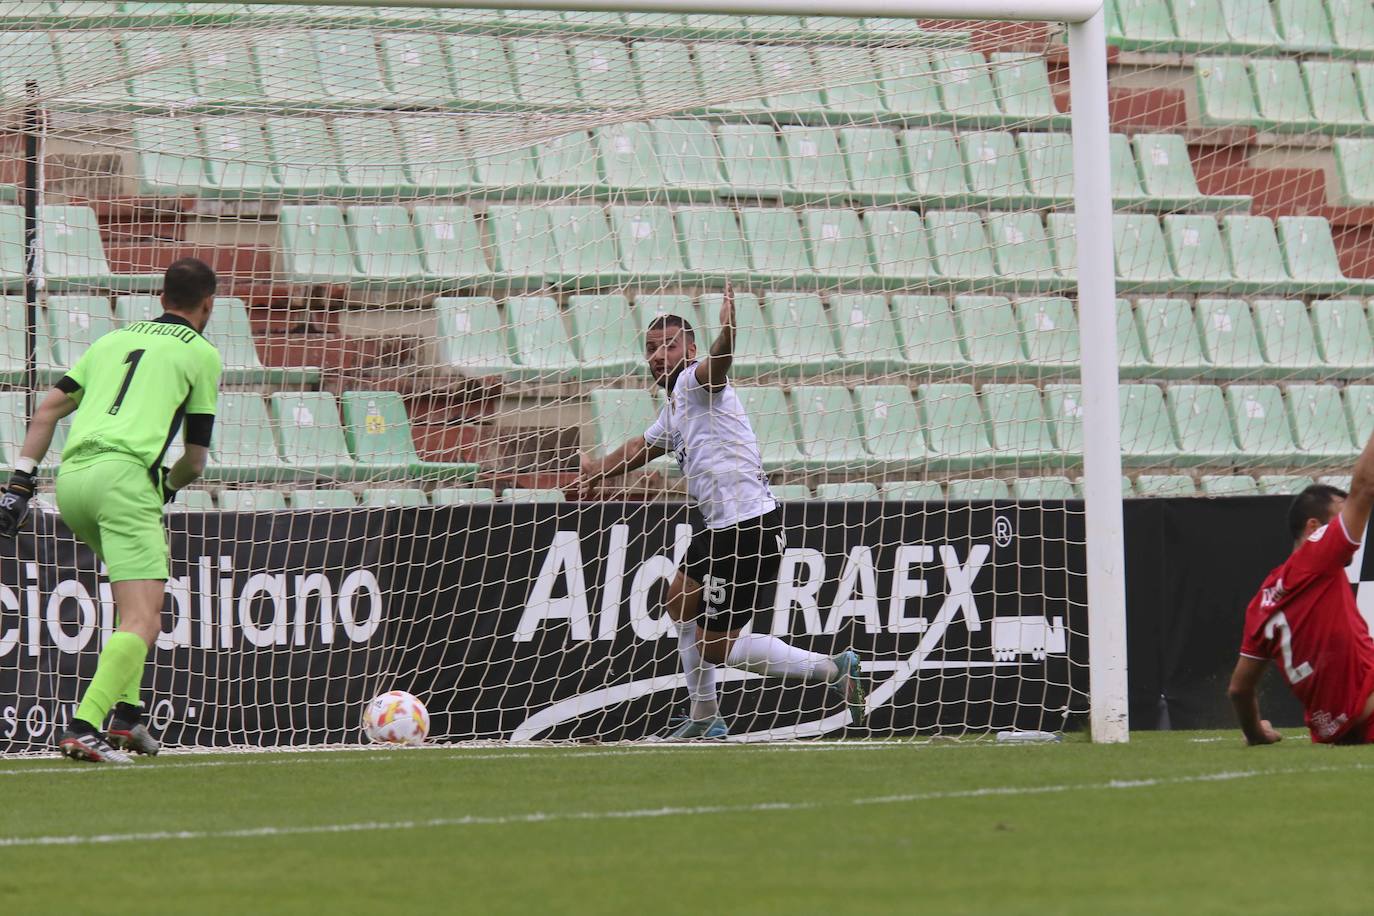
[1182, 822]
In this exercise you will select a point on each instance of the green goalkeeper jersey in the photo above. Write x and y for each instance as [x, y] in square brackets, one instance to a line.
[133, 388]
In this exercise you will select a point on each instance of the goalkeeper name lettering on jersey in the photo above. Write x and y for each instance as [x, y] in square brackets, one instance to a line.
[709, 434]
[134, 386]
[1305, 619]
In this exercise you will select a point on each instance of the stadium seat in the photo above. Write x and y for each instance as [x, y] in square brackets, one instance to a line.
[1225, 94]
[1340, 481]
[1049, 333]
[1023, 88]
[1228, 337]
[628, 160]
[1335, 95]
[1142, 24]
[394, 497]
[485, 79]
[13, 343]
[1198, 253]
[1229, 485]
[771, 419]
[878, 173]
[901, 247]
[191, 500]
[962, 253]
[238, 158]
[801, 331]
[243, 447]
[312, 438]
[349, 67]
[829, 425]
[1166, 172]
[223, 68]
[450, 245]
[1165, 485]
[1359, 401]
[542, 348]
[385, 252]
[1355, 169]
[908, 87]
[955, 428]
[1170, 334]
[1016, 424]
[839, 248]
[568, 165]
[413, 62]
[74, 323]
[1132, 362]
[994, 170]
[1352, 25]
[1147, 434]
[790, 492]
[966, 89]
[891, 424]
[370, 157]
[1052, 487]
[1304, 26]
[815, 165]
[1343, 336]
[1285, 334]
[306, 160]
[867, 333]
[1142, 256]
[687, 154]
[1283, 484]
[523, 245]
[617, 416]
[170, 157]
[1048, 161]
[160, 68]
[323, 499]
[1255, 255]
[982, 488]
[1061, 229]
[1320, 423]
[930, 339]
[88, 58]
[990, 333]
[777, 253]
[315, 247]
[506, 173]
[605, 74]
[1281, 96]
[852, 491]
[527, 495]
[753, 163]
[1310, 255]
[473, 336]
[712, 240]
[756, 352]
[456, 496]
[74, 255]
[1125, 177]
[1022, 252]
[251, 500]
[1203, 425]
[544, 72]
[844, 94]
[793, 69]
[912, 491]
[1262, 426]
[586, 248]
[648, 243]
[729, 71]
[935, 167]
[607, 344]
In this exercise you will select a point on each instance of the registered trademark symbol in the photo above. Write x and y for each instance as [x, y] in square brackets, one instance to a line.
[1001, 531]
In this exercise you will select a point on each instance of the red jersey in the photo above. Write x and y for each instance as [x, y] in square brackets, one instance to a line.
[1305, 618]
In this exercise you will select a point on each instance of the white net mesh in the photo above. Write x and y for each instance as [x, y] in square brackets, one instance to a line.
[441, 236]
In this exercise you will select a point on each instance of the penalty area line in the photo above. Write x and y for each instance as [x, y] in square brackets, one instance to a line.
[542, 817]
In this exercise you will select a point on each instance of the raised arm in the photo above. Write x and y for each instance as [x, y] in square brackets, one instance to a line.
[632, 455]
[713, 371]
[1355, 515]
[1244, 694]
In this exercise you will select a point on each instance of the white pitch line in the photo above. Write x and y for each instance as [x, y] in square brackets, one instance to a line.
[541, 817]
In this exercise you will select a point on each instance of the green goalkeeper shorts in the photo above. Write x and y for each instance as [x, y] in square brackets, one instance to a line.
[116, 510]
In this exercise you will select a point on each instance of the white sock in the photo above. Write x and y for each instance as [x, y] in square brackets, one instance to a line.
[701, 676]
[771, 657]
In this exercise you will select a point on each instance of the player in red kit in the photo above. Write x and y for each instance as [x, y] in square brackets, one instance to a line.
[1305, 619]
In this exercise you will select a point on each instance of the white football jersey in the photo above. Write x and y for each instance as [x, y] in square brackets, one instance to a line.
[709, 434]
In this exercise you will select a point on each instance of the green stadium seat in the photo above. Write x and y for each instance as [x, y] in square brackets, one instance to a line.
[1132, 361]
[485, 79]
[777, 253]
[978, 489]
[1061, 229]
[74, 323]
[586, 248]
[994, 170]
[189, 500]
[1304, 25]
[568, 164]
[1343, 337]
[370, 157]
[908, 86]
[1334, 92]
[1198, 253]
[35, 48]
[838, 246]
[1147, 434]
[523, 244]
[843, 93]
[306, 160]
[1052, 487]
[1320, 423]
[901, 247]
[1049, 333]
[243, 447]
[1229, 339]
[1225, 93]
[713, 242]
[170, 157]
[966, 89]
[605, 73]
[377, 430]
[1281, 95]
[791, 492]
[1340, 481]
[1166, 172]
[473, 336]
[1023, 87]
[619, 415]
[628, 159]
[224, 70]
[415, 70]
[891, 425]
[1355, 169]
[771, 419]
[877, 170]
[531, 495]
[1352, 25]
[607, 344]
[935, 167]
[756, 351]
[1229, 485]
[508, 172]
[815, 164]
[853, 491]
[1126, 187]
[1285, 333]
[990, 333]
[1048, 161]
[1251, 22]
[73, 254]
[753, 162]
[1142, 256]
[1310, 255]
[450, 245]
[14, 345]
[251, 500]
[323, 499]
[647, 241]
[1262, 425]
[315, 247]
[394, 498]
[802, 333]
[1022, 252]
[14, 421]
[88, 58]
[784, 65]
[312, 438]
[959, 241]
[667, 71]
[1165, 485]
[1283, 484]
[928, 491]
[729, 71]
[542, 348]
[1016, 422]
[1203, 425]
[384, 246]
[688, 156]
[1359, 401]
[349, 68]
[867, 333]
[1144, 24]
[956, 431]
[1256, 258]
[930, 339]
[543, 71]
[238, 158]
[1169, 331]
[458, 496]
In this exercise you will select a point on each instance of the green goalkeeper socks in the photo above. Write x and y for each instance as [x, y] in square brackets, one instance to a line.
[121, 664]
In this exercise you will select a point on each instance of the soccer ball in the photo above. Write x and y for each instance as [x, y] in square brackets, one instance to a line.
[396, 717]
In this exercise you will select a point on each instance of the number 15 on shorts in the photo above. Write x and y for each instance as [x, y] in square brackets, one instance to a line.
[715, 592]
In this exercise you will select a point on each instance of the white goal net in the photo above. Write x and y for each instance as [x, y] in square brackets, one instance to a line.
[441, 236]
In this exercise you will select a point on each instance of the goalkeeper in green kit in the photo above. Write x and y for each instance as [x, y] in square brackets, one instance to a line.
[131, 392]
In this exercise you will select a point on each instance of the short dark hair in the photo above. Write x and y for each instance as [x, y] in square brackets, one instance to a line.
[188, 282]
[1313, 502]
[664, 322]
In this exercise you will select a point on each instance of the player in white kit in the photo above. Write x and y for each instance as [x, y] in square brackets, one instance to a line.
[733, 561]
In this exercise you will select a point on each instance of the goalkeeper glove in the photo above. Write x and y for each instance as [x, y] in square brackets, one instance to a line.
[14, 502]
[161, 479]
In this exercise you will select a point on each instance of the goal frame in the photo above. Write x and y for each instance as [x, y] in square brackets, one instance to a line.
[1087, 44]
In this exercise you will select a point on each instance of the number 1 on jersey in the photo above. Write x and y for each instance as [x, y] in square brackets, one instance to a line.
[1279, 623]
[132, 359]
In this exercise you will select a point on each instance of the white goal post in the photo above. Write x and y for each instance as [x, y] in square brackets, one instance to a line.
[1087, 42]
